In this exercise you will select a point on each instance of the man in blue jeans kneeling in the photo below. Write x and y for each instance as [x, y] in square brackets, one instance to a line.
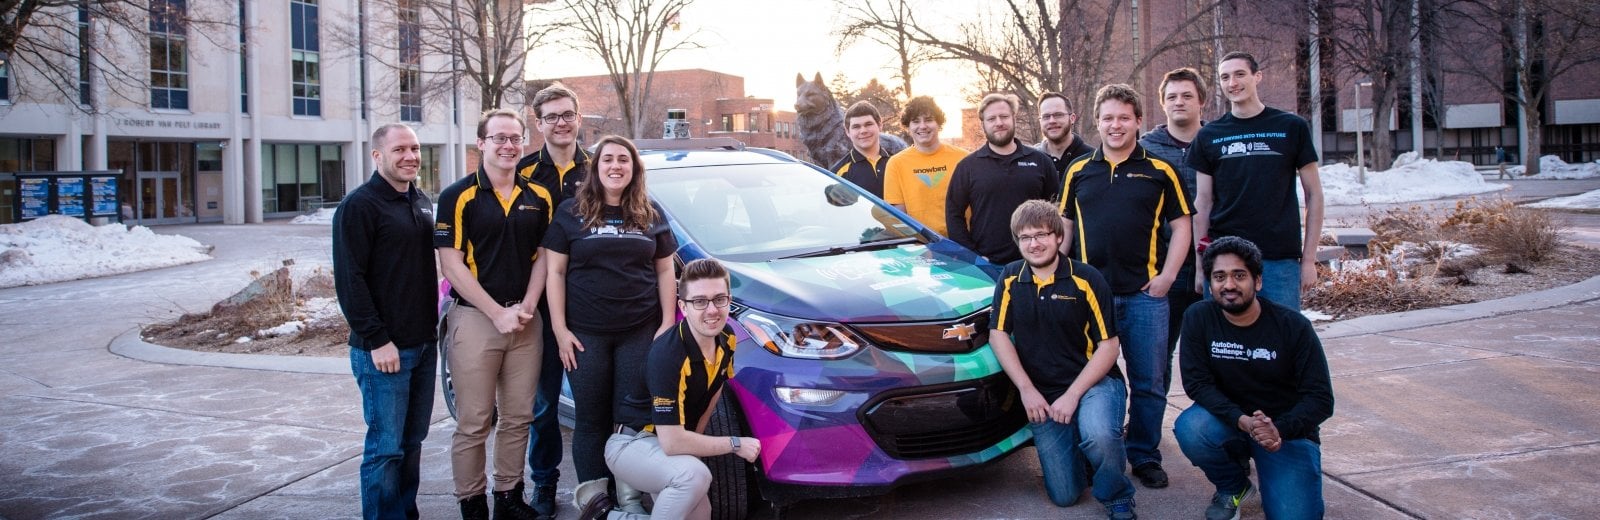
[1259, 380]
[1057, 342]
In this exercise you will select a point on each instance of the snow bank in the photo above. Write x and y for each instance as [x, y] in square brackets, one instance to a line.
[1411, 179]
[1552, 167]
[57, 248]
[322, 217]
[1590, 200]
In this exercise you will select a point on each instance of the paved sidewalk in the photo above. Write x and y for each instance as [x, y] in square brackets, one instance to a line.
[1476, 411]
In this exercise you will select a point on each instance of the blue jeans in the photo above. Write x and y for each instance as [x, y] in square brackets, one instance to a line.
[397, 408]
[1095, 433]
[1291, 478]
[1142, 328]
[544, 435]
[1280, 282]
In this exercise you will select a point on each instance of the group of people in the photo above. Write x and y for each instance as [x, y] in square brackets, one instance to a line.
[1096, 244]
[555, 260]
[563, 248]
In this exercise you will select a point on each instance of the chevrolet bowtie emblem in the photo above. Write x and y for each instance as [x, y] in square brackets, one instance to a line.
[963, 332]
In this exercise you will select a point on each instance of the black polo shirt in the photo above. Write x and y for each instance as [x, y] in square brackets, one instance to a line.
[1118, 212]
[1056, 323]
[383, 270]
[990, 186]
[500, 237]
[1075, 149]
[538, 167]
[679, 381]
[864, 172]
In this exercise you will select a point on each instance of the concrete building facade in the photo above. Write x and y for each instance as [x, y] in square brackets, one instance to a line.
[262, 118]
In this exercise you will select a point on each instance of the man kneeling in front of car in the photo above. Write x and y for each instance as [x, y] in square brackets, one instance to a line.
[1056, 338]
[658, 443]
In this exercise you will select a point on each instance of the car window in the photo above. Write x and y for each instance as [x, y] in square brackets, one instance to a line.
[765, 211]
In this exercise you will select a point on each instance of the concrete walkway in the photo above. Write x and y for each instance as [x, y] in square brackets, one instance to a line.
[1476, 411]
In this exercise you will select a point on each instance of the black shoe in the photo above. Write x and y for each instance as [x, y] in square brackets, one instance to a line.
[597, 508]
[509, 505]
[475, 508]
[1151, 475]
[544, 499]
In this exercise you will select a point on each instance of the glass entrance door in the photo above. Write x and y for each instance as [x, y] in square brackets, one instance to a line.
[161, 199]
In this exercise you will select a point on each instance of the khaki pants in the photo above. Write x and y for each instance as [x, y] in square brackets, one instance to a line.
[484, 365]
[679, 483]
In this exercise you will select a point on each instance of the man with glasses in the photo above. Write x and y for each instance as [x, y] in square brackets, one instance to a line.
[1056, 120]
[1058, 345]
[1259, 380]
[383, 272]
[558, 167]
[488, 236]
[993, 180]
[1119, 205]
[661, 422]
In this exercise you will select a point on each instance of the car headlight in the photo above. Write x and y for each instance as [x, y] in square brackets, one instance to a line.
[799, 338]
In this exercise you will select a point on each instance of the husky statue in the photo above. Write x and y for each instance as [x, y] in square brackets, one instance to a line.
[821, 123]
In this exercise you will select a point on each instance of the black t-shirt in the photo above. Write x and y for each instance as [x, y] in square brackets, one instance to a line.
[611, 272]
[1253, 164]
[1119, 211]
[1057, 323]
[500, 238]
[865, 173]
[678, 382]
[1275, 365]
[991, 186]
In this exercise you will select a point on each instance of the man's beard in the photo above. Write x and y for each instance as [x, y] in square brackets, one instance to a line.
[999, 139]
[1235, 308]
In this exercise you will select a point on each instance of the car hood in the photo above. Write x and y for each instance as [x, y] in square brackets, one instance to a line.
[906, 283]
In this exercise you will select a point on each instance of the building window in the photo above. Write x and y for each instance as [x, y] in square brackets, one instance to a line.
[411, 60]
[300, 177]
[84, 52]
[169, 62]
[305, 57]
[5, 82]
[244, 60]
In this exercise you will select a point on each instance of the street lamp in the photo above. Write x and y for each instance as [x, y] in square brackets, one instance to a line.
[1361, 163]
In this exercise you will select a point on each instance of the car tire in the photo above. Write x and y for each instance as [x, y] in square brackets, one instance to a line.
[732, 479]
[446, 384]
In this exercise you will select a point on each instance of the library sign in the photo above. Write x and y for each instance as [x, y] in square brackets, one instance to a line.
[170, 124]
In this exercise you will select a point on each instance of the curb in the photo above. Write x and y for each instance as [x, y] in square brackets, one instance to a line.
[130, 345]
[1554, 297]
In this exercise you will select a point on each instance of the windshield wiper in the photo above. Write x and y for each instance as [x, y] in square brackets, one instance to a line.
[871, 245]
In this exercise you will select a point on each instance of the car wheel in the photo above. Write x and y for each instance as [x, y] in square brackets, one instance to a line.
[446, 384]
[732, 479]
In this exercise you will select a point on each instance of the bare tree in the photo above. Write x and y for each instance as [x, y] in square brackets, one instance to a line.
[46, 38]
[1373, 38]
[1541, 41]
[476, 47]
[908, 54]
[1033, 46]
[630, 37]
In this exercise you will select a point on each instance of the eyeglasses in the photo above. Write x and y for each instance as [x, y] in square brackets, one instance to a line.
[700, 304]
[1238, 277]
[1028, 239]
[1052, 116]
[551, 119]
[502, 139]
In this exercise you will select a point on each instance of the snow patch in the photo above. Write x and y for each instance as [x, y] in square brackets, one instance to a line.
[1590, 200]
[1411, 179]
[287, 328]
[1315, 315]
[58, 248]
[323, 217]
[1552, 167]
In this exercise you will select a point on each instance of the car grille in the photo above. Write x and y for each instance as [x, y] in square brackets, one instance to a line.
[930, 336]
[944, 420]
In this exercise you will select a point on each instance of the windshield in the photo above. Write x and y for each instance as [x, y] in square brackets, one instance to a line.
[760, 212]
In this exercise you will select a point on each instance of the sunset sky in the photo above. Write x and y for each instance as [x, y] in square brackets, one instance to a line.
[769, 41]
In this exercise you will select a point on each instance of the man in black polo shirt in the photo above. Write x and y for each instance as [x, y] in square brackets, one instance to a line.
[383, 273]
[993, 180]
[1119, 204]
[558, 167]
[1060, 142]
[658, 444]
[864, 164]
[1055, 341]
[488, 237]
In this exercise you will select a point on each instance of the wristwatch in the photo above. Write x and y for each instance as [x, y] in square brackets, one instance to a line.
[733, 442]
